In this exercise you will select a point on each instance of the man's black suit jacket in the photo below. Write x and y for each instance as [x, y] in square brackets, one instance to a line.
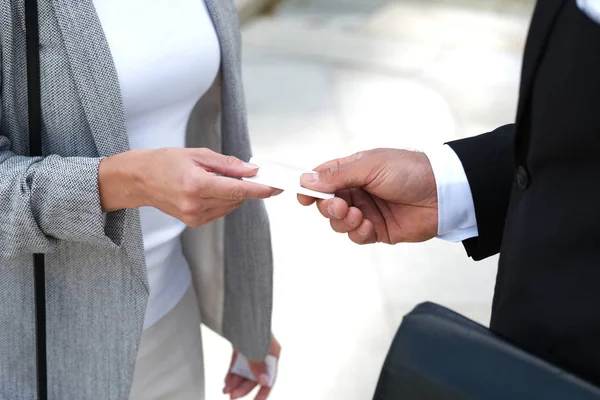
[536, 191]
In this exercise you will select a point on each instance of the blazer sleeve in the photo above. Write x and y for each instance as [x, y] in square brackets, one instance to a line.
[47, 200]
[488, 161]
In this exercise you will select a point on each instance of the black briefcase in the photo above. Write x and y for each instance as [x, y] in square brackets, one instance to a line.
[439, 354]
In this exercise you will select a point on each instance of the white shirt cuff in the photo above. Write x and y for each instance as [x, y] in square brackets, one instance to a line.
[456, 212]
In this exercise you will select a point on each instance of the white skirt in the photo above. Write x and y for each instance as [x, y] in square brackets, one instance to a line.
[169, 365]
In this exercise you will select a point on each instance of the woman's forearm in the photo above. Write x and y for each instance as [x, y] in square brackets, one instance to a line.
[120, 180]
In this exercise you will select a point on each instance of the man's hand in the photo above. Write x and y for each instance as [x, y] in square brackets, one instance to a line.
[237, 386]
[382, 195]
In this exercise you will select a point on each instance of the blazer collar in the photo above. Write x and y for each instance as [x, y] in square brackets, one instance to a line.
[94, 74]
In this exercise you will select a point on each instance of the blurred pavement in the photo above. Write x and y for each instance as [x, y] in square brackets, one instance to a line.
[327, 78]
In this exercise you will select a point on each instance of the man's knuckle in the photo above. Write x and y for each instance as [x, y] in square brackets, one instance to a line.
[334, 170]
[360, 155]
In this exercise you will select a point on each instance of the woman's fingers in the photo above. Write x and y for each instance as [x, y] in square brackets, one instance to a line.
[243, 389]
[221, 187]
[230, 378]
[263, 393]
[203, 217]
[222, 164]
[232, 381]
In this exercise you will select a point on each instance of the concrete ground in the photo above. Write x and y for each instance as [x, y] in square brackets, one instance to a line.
[326, 78]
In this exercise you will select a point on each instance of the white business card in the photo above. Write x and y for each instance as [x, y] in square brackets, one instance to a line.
[242, 368]
[283, 177]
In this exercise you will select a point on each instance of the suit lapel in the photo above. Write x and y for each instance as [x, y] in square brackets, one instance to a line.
[94, 73]
[541, 25]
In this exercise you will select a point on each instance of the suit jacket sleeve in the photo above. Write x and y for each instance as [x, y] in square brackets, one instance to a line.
[49, 200]
[489, 165]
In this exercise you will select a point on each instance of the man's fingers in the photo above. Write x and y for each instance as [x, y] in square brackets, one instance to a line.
[306, 200]
[339, 175]
[342, 194]
[345, 195]
[224, 165]
[364, 234]
[333, 208]
[338, 161]
[363, 201]
[352, 221]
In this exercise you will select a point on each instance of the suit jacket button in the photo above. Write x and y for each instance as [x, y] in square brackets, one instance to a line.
[522, 177]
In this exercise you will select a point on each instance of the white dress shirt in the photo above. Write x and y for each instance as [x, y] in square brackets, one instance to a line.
[456, 212]
[167, 55]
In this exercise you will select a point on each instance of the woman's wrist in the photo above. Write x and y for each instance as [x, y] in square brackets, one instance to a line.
[121, 181]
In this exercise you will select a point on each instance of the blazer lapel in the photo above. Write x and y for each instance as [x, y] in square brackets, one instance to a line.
[541, 25]
[94, 73]
[220, 11]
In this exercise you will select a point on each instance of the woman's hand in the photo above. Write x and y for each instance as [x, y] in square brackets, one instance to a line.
[180, 182]
[237, 386]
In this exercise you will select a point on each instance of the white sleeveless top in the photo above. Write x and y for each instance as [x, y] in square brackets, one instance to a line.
[167, 55]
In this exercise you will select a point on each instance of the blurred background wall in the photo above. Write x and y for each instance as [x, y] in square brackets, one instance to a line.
[327, 78]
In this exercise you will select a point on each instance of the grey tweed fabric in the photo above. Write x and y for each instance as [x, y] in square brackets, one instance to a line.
[96, 276]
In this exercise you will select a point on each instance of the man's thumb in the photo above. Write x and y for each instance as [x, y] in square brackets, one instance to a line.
[335, 175]
[259, 370]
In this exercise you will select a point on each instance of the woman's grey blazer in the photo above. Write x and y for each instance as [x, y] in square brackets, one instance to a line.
[97, 287]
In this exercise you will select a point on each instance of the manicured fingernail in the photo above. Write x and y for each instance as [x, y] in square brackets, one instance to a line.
[312, 177]
[277, 192]
[263, 380]
[249, 166]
